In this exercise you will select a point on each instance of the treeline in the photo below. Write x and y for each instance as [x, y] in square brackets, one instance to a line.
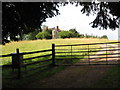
[38, 34]
[72, 33]
[47, 34]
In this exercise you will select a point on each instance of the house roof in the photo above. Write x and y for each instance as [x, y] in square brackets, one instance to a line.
[59, 30]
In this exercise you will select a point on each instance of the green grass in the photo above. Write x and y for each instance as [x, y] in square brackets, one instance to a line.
[31, 78]
[34, 45]
[111, 80]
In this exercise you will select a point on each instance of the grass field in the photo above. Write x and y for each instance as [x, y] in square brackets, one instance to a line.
[36, 45]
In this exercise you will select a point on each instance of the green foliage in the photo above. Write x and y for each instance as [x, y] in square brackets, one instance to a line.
[49, 31]
[31, 35]
[64, 34]
[19, 14]
[47, 34]
[104, 36]
[91, 36]
[73, 30]
[24, 16]
[81, 35]
[103, 18]
[39, 35]
[74, 33]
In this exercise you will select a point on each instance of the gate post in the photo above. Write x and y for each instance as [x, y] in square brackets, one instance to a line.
[19, 63]
[88, 55]
[106, 54]
[71, 55]
[53, 54]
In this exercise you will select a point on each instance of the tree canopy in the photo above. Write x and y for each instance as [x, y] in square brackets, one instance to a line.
[65, 34]
[74, 33]
[23, 17]
[20, 18]
[108, 15]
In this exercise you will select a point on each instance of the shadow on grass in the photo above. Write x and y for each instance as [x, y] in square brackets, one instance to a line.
[28, 77]
[31, 73]
[111, 79]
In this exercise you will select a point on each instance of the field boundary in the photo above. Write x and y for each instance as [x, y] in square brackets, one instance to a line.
[18, 61]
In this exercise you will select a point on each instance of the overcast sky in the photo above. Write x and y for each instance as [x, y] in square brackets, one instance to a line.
[71, 17]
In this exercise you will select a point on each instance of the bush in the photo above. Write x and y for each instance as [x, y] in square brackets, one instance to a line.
[46, 35]
[104, 36]
[31, 35]
[39, 35]
[81, 35]
[64, 34]
[74, 33]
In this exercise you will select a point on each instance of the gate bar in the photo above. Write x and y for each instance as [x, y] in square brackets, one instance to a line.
[88, 55]
[106, 54]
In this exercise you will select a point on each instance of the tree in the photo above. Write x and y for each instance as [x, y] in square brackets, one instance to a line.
[31, 35]
[47, 34]
[39, 35]
[23, 17]
[104, 36]
[64, 34]
[74, 33]
[88, 36]
[81, 35]
[104, 11]
[20, 18]
[108, 13]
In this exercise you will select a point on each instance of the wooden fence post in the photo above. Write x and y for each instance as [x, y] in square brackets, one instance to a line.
[53, 54]
[19, 63]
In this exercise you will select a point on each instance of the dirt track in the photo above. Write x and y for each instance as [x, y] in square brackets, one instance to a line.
[74, 77]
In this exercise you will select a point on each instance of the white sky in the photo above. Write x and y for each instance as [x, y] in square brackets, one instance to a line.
[71, 17]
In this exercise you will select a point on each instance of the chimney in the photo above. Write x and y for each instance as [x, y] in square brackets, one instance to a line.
[46, 27]
[57, 28]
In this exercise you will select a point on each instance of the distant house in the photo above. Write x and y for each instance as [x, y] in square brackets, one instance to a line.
[54, 31]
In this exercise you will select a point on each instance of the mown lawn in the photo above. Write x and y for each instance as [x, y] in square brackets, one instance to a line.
[34, 45]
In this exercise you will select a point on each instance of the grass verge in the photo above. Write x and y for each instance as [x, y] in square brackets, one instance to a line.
[23, 82]
[111, 80]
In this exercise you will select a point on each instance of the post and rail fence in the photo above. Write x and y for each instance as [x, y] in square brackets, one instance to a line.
[70, 54]
[17, 61]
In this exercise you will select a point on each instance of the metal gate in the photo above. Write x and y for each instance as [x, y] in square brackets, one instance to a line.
[88, 54]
